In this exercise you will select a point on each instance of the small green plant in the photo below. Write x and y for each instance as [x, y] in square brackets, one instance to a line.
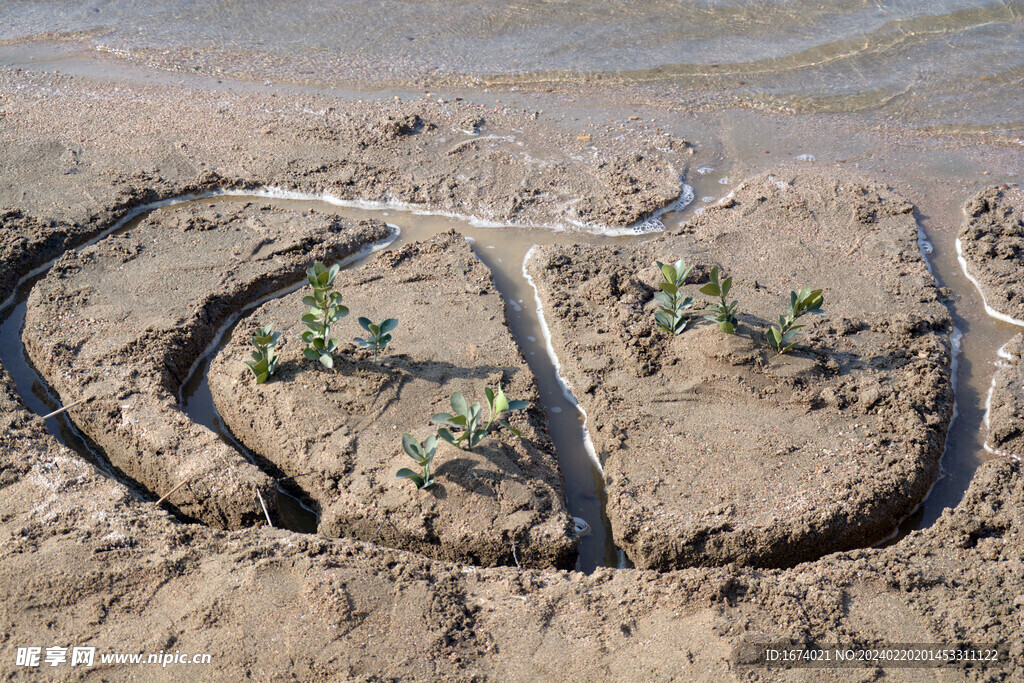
[423, 454]
[468, 418]
[264, 358]
[380, 335]
[325, 309]
[805, 301]
[725, 312]
[669, 316]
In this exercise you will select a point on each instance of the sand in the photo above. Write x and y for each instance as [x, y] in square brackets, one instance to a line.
[83, 561]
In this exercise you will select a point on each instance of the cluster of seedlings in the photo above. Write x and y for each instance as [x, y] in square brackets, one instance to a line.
[325, 311]
[670, 314]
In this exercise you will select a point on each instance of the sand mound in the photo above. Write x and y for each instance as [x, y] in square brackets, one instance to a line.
[991, 249]
[714, 448]
[339, 433]
[123, 321]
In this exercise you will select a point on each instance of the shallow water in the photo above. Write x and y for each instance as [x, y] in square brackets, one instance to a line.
[951, 64]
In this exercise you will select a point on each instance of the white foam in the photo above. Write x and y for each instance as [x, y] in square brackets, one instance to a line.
[653, 222]
[1004, 355]
[588, 444]
[570, 224]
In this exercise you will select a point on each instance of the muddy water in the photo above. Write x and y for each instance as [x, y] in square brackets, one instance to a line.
[954, 64]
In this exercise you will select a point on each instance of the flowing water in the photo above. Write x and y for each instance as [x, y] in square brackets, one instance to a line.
[954, 64]
[924, 95]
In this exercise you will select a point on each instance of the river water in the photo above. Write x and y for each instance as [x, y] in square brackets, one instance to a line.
[942, 64]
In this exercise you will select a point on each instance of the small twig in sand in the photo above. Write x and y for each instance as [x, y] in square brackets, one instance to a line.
[381, 526]
[264, 506]
[515, 556]
[184, 481]
[67, 407]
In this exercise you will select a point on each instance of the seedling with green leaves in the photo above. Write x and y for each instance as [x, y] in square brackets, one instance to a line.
[423, 454]
[669, 316]
[380, 335]
[264, 358]
[325, 309]
[725, 313]
[807, 300]
[468, 418]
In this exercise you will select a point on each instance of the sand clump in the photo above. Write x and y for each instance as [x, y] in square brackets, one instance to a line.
[122, 323]
[1005, 406]
[991, 249]
[338, 433]
[714, 448]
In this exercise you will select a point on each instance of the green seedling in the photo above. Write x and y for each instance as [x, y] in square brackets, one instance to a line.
[468, 418]
[325, 309]
[725, 312]
[807, 300]
[423, 454]
[264, 358]
[669, 316]
[380, 335]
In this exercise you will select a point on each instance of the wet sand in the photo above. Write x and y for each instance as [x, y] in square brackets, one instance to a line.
[65, 178]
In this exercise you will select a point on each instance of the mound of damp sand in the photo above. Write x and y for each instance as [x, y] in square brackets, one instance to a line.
[714, 448]
[338, 433]
[123, 321]
[1005, 415]
[991, 250]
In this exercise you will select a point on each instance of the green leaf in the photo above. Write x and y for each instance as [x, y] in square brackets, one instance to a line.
[411, 446]
[518, 405]
[365, 323]
[311, 354]
[500, 402]
[509, 427]
[447, 436]
[457, 421]
[668, 272]
[711, 289]
[727, 327]
[430, 446]
[327, 361]
[726, 286]
[664, 299]
[668, 287]
[388, 325]
[458, 402]
[406, 473]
